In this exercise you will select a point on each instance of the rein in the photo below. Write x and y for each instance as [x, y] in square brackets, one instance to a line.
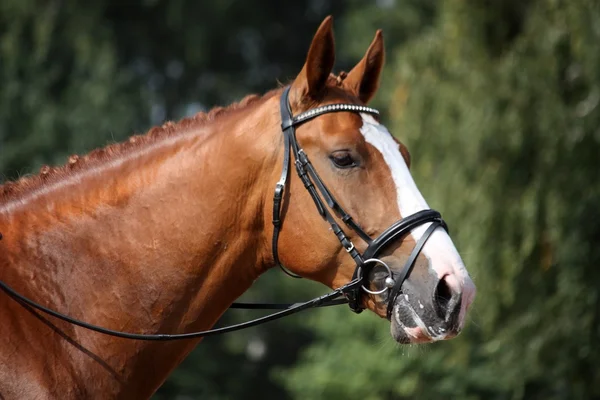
[289, 309]
[350, 293]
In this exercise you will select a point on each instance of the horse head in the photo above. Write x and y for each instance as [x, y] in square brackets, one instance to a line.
[350, 161]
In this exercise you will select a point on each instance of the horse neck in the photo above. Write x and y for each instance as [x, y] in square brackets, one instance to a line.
[163, 241]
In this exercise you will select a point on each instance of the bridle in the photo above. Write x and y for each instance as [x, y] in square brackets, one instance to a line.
[349, 293]
[315, 185]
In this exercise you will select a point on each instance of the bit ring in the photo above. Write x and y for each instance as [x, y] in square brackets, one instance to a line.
[388, 279]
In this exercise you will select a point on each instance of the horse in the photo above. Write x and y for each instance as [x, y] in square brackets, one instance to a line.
[164, 231]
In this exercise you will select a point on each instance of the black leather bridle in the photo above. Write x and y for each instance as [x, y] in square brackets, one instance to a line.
[349, 293]
[314, 184]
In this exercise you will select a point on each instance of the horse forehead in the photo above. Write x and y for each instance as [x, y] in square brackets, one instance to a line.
[342, 121]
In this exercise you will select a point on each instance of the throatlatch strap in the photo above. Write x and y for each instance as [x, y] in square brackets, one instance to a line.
[287, 127]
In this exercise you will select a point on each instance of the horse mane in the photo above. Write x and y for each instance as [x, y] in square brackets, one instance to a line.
[47, 174]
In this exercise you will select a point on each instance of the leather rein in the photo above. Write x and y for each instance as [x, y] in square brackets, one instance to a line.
[350, 293]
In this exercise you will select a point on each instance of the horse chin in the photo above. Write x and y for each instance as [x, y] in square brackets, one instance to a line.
[407, 327]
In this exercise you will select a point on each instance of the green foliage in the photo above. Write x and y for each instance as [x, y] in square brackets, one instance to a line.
[76, 76]
[62, 89]
[500, 111]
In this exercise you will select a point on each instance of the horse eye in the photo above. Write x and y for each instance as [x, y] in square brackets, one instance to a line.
[343, 159]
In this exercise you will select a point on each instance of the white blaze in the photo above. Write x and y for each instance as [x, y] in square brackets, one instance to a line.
[439, 249]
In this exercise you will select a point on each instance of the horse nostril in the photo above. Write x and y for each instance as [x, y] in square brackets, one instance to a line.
[447, 299]
[442, 297]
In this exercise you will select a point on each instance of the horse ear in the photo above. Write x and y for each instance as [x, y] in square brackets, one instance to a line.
[363, 80]
[310, 82]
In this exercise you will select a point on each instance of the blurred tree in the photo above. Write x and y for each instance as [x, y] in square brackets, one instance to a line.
[76, 76]
[499, 105]
[62, 88]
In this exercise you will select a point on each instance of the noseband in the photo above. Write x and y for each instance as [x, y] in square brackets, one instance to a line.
[352, 291]
[315, 185]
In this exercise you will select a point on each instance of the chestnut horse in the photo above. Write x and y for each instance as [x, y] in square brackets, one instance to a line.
[164, 232]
